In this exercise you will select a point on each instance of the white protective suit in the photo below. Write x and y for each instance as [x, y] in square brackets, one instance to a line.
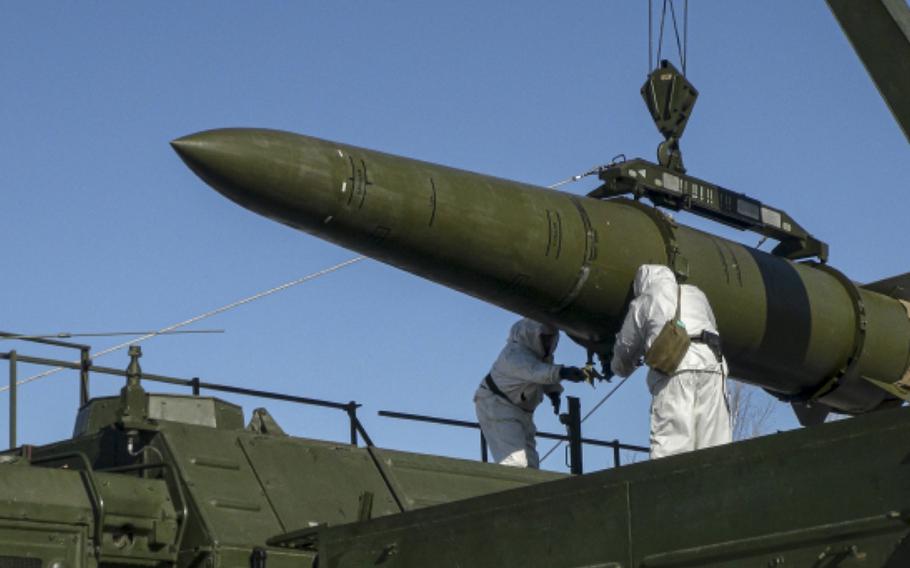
[524, 371]
[688, 409]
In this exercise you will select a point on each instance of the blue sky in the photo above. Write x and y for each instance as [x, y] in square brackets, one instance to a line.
[105, 229]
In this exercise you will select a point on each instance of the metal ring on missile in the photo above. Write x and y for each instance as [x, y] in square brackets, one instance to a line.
[667, 229]
[905, 380]
[590, 254]
[859, 336]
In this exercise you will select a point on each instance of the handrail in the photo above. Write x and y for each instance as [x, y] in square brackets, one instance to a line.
[616, 445]
[357, 430]
[476, 426]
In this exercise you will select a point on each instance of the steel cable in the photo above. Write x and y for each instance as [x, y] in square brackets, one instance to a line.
[200, 317]
[585, 417]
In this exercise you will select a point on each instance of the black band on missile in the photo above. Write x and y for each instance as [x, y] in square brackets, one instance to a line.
[788, 315]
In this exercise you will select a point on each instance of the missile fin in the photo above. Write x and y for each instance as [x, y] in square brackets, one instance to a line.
[899, 389]
[896, 287]
[810, 414]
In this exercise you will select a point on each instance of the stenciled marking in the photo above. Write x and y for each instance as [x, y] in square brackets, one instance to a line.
[549, 233]
[432, 202]
[734, 263]
[554, 233]
[360, 180]
[723, 258]
[590, 254]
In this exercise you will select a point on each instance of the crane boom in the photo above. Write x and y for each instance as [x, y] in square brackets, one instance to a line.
[879, 31]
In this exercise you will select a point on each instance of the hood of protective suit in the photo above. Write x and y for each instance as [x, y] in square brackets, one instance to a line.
[528, 332]
[649, 277]
[524, 369]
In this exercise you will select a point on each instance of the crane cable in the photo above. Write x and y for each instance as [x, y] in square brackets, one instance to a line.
[682, 46]
[200, 317]
[586, 416]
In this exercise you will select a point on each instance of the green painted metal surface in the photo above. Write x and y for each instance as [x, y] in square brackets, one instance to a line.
[834, 495]
[159, 492]
[309, 482]
[101, 412]
[76, 516]
[240, 489]
[799, 329]
[422, 481]
[880, 33]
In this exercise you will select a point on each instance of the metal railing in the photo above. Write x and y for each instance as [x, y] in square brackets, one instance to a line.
[572, 421]
[85, 366]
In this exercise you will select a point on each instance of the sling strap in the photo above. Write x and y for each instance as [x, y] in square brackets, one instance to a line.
[490, 384]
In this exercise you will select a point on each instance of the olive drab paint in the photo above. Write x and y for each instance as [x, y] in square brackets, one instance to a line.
[802, 330]
[168, 480]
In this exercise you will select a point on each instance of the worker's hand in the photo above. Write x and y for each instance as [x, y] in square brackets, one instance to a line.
[591, 374]
[571, 374]
[555, 400]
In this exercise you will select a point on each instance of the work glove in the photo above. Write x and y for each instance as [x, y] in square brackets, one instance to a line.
[555, 400]
[571, 374]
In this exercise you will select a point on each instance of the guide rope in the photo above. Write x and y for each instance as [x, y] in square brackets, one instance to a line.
[201, 317]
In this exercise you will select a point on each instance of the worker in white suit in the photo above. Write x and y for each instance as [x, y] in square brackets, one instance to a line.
[688, 408]
[506, 399]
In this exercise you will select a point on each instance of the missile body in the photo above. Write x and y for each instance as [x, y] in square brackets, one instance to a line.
[797, 329]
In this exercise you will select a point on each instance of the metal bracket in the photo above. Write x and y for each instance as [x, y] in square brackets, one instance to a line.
[671, 189]
[666, 226]
[302, 539]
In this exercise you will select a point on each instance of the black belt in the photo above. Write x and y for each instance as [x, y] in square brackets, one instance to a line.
[490, 384]
[712, 341]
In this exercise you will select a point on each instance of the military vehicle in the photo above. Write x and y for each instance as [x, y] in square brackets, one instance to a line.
[165, 480]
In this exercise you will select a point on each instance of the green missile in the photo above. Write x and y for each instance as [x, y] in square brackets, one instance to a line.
[801, 330]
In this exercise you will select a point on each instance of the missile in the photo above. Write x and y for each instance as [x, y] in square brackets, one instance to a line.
[801, 330]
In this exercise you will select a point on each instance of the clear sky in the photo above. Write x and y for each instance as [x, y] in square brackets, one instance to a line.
[104, 228]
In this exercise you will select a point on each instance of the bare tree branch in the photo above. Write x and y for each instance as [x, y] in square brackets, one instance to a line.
[750, 410]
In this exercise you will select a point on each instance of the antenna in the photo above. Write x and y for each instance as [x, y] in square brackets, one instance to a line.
[69, 335]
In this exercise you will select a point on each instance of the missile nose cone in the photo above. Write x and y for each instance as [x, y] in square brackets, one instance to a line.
[283, 176]
[188, 146]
